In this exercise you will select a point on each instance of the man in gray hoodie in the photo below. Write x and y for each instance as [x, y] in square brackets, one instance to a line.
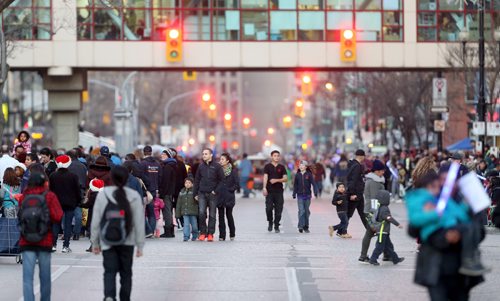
[374, 182]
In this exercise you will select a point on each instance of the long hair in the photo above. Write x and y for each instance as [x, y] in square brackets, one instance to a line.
[424, 166]
[228, 158]
[10, 178]
[119, 177]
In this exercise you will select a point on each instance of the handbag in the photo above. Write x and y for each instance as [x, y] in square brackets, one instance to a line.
[149, 196]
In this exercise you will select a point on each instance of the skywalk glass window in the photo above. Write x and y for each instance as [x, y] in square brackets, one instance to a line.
[28, 20]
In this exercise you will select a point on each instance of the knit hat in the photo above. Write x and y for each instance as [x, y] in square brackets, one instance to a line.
[360, 153]
[169, 153]
[173, 151]
[63, 161]
[378, 165]
[304, 162]
[104, 151]
[96, 185]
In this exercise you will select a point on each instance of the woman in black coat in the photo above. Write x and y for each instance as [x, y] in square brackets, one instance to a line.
[226, 197]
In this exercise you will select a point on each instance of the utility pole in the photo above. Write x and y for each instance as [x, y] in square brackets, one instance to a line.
[481, 110]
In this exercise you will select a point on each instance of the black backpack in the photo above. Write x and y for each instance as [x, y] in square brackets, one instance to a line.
[113, 225]
[34, 217]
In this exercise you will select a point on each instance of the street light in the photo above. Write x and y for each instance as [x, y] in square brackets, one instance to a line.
[270, 131]
[206, 97]
[329, 87]
[246, 122]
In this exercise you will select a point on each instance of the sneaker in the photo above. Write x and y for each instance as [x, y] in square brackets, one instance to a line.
[194, 239]
[331, 231]
[277, 230]
[347, 235]
[89, 249]
[76, 237]
[400, 259]
[149, 235]
[221, 239]
[375, 263]
[473, 270]
[202, 237]
[54, 248]
[66, 250]
[210, 237]
[270, 227]
[186, 239]
[301, 230]
[340, 235]
[231, 238]
[307, 231]
[364, 260]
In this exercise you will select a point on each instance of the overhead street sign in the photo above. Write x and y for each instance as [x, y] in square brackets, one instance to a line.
[439, 109]
[348, 113]
[439, 92]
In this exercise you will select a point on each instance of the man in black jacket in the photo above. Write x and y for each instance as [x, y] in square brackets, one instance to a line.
[79, 169]
[152, 170]
[209, 177]
[66, 187]
[167, 190]
[356, 186]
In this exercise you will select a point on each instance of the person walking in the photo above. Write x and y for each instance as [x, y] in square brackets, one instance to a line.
[227, 197]
[375, 182]
[319, 174]
[32, 251]
[356, 186]
[208, 180]
[245, 171]
[79, 169]
[152, 168]
[304, 180]
[274, 177]
[67, 188]
[187, 209]
[47, 159]
[167, 191]
[117, 251]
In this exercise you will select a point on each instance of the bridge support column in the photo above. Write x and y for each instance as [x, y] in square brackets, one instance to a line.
[65, 103]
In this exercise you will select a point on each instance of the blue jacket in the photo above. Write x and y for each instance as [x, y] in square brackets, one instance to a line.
[245, 168]
[133, 183]
[429, 221]
[303, 183]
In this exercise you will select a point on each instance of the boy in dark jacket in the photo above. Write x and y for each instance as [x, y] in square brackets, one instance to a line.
[384, 243]
[187, 208]
[340, 200]
[303, 182]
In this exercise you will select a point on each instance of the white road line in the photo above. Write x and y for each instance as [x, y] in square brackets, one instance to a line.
[53, 277]
[292, 284]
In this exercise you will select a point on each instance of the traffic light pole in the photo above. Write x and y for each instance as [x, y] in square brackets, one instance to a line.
[482, 101]
[172, 100]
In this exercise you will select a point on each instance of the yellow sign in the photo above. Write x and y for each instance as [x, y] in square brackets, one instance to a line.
[189, 75]
[85, 96]
[5, 110]
[37, 136]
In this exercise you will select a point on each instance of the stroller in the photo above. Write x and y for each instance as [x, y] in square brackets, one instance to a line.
[9, 237]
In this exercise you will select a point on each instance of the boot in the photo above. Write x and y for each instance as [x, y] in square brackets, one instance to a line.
[165, 231]
[172, 232]
[270, 227]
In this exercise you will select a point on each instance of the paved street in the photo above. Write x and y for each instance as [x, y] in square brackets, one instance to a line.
[257, 266]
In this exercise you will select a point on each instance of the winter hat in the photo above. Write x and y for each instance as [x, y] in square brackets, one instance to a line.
[96, 185]
[304, 162]
[174, 152]
[169, 153]
[104, 151]
[378, 165]
[63, 161]
[360, 153]
[101, 163]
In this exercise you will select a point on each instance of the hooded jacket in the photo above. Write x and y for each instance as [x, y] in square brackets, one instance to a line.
[67, 188]
[168, 178]
[302, 184]
[373, 185]
[152, 169]
[355, 179]
[186, 205]
[384, 214]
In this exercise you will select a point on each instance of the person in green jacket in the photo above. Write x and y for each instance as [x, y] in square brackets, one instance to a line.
[187, 208]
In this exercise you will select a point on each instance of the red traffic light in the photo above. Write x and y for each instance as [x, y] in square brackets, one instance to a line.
[174, 34]
[348, 34]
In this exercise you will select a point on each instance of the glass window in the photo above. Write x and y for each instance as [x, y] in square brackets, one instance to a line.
[226, 25]
[427, 19]
[42, 3]
[426, 34]
[196, 24]
[368, 5]
[196, 4]
[335, 21]
[311, 4]
[472, 22]
[368, 26]
[135, 22]
[340, 4]
[393, 34]
[22, 3]
[450, 24]
[225, 3]
[283, 25]
[254, 4]
[427, 5]
[164, 3]
[283, 4]
[451, 5]
[161, 20]
[392, 5]
[393, 18]
[255, 25]
[107, 25]
[311, 26]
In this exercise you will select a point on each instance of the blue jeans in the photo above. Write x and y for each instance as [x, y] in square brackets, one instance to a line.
[151, 218]
[341, 228]
[244, 186]
[29, 261]
[304, 201]
[190, 226]
[77, 229]
[67, 228]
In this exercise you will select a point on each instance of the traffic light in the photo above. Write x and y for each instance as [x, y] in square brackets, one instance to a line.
[228, 121]
[189, 75]
[348, 45]
[212, 111]
[246, 122]
[174, 45]
[205, 101]
[287, 122]
[306, 86]
[299, 107]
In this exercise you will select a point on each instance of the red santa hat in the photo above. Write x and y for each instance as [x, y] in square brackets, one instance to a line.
[96, 185]
[63, 161]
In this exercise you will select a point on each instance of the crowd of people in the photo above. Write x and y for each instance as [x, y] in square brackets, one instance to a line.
[119, 202]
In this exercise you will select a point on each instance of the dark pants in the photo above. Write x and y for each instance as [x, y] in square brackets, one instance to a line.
[344, 222]
[207, 200]
[118, 259]
[358, 205]
[274, 201]
[365, 245]
[151, 218]
[68, 228]
[385, 246]
[449, 288]
[223, 213]
[167, 212]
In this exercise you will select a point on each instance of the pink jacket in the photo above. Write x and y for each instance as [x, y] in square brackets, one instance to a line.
[159, 205]
[25, 144]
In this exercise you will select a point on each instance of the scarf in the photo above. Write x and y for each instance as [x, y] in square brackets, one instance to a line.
[227, 170]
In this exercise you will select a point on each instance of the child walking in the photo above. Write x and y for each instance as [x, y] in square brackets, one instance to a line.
[187, 208]
[340, 200]
[384, 243]
[158, 205]
[303, 182]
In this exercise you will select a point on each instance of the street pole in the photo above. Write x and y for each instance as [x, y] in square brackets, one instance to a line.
[482, 100]
[172, 100]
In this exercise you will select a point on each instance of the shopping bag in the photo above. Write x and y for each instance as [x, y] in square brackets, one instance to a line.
[9, 236]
